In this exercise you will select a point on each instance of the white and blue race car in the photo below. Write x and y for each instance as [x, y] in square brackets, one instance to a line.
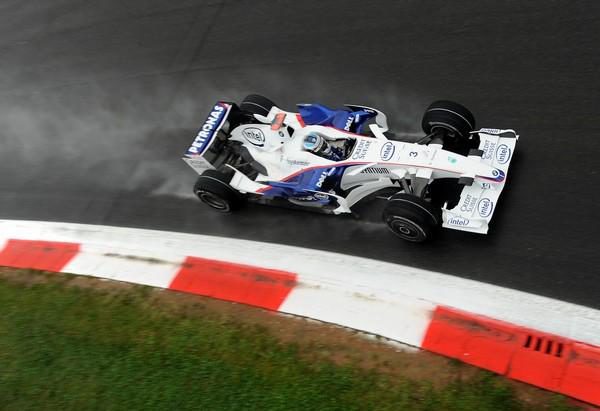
[330, 160]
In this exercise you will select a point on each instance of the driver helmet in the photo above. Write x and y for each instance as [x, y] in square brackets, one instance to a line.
[315, 143]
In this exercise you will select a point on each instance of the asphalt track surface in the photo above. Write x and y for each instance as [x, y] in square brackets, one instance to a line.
[98, 100]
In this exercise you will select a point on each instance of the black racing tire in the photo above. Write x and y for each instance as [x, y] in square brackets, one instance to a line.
[452, 117]
[213, 189]
[412, 218]
[257, 104]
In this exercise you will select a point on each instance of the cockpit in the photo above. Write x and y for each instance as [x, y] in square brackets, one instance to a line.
[329, 148]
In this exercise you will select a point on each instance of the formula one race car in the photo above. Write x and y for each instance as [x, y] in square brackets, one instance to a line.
[329, 160]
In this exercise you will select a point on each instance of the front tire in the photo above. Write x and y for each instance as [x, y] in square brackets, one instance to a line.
[455, 120]
[213, 189]
[412, 218]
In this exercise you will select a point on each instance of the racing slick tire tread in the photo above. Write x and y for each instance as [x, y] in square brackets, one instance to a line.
[412, 218]
[450, 116]
[257, 104]
[213, 189]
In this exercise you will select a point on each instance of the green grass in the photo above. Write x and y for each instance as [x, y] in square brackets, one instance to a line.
[63, 347]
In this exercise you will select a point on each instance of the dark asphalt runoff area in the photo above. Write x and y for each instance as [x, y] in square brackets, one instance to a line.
[98, 101]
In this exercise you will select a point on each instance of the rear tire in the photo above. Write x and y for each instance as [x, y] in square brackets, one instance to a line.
[412, 218]
[213, 189]
[456, 120]
[257, 104]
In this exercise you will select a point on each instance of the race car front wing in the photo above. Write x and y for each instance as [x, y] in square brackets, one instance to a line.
[478, 201]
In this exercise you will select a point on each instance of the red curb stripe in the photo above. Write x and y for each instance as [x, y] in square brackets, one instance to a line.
[465, 337]
[39, 255]
[540, 359]
[545, 360]
[245, 284]
[582, 376]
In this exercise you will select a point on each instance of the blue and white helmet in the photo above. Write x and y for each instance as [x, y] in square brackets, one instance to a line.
[313, 142]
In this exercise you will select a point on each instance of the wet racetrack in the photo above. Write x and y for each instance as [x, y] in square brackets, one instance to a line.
[99, 100]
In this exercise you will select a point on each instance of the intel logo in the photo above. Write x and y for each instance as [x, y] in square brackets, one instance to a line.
[502, 154]
[387, 151]
[485, 207]
[254, 136]
[458, 221]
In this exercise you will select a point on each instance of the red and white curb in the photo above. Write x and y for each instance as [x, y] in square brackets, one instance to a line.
[549, 343]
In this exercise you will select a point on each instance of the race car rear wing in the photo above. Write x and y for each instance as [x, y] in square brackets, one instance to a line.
[478, 201]
[199, 155]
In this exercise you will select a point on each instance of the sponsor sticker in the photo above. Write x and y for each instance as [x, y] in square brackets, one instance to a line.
[254, 136]
[488, 149]
[208, 129]
[485, 207]
[199, 164]
[293, 162]
[387, 151]
[458, 221]
[468, 204]
[348, 124]
[490, 130]
[503, 153]
[324, 175]
[361, 150]
[321, 179]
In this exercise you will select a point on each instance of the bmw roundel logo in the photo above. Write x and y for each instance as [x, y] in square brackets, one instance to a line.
[495, 173]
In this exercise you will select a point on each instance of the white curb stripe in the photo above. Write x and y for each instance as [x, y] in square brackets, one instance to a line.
[324, 277]
[153, 268]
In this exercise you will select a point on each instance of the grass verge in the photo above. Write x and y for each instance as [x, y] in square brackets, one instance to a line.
[75, 343]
